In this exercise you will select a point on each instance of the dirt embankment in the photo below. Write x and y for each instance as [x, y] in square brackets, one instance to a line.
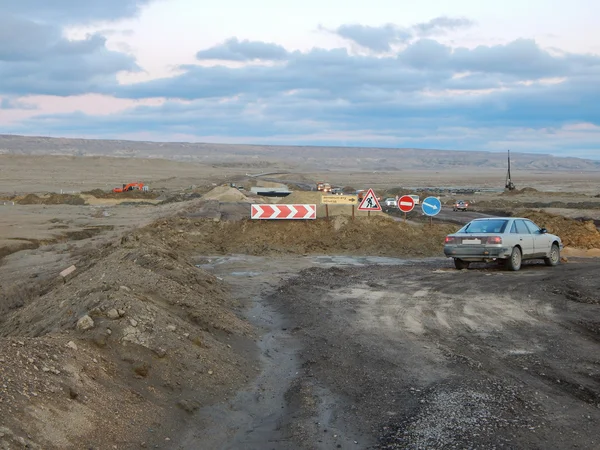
[120, 353]
[135, 194]
[341, 235]
[52, 199]
[574, 233]
[79, 199]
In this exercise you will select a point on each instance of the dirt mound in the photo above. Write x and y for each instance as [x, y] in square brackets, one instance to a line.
[225, 194]
[135, 339]
[341, 235]
[137, 194]
[574, 233]
[525, 190]
[302, 197]
[51, 199]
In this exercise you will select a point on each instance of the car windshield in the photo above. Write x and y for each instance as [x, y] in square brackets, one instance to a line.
[485, 226]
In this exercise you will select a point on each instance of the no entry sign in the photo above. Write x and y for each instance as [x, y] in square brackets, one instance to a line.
[406, 203]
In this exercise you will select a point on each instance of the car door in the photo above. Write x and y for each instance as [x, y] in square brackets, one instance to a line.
[525, 238]
[541, 243]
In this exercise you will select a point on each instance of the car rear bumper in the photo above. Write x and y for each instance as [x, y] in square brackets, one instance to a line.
[476, 253]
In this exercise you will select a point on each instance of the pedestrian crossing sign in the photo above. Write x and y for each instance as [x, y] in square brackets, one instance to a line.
[369, 202]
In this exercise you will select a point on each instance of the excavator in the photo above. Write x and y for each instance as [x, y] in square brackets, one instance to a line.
[129, 187]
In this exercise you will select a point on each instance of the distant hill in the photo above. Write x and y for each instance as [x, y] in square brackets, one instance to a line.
[299, 157]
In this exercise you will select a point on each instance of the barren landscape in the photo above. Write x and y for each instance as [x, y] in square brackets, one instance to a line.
[187, 325]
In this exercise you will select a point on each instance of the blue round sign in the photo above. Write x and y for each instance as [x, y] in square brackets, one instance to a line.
[431, 206]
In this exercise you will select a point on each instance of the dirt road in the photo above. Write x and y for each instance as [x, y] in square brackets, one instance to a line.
[385, 353]
[331, 346]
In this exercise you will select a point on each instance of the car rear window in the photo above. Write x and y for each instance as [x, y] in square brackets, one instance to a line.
[485, 226]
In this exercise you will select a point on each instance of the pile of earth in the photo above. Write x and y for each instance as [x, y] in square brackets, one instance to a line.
[137, 194]
[120, 352]
[230, 231]
[376, 235]
[225, 194]
[573, 233]
[525, 190]
[50, 199]
[76, 199]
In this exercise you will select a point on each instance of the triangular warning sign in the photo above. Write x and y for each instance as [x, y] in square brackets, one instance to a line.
[369, 202]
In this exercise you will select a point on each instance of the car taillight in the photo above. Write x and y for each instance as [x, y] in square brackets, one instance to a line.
[494, 240]
[450, 240]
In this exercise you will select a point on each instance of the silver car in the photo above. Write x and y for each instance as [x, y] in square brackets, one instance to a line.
[509, 240]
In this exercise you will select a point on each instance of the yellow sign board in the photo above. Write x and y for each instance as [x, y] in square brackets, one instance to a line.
[339, 199]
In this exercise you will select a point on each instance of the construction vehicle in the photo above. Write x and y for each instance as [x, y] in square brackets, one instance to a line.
[509, 184]
[129, 187]
[323, 187]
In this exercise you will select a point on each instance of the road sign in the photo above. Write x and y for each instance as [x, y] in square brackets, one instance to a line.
[339, 199]
[406, 203]
[370, 202]
[262, 211]
[431, 206]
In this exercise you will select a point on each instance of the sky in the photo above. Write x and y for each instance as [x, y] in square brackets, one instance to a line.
[463, 75]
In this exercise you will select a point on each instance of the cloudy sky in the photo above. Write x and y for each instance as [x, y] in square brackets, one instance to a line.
[461, 74]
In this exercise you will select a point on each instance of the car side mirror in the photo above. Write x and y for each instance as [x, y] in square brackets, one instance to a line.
[543, 230]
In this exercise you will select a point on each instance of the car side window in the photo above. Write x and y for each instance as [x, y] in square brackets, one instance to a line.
[513, 228]
[533, 228]
[521, 227]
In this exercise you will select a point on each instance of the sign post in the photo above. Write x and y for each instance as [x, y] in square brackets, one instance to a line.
[431, 206]
[338, 200]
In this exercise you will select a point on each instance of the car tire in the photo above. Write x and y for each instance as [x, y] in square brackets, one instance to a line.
[516, 258]
[554, 258]
[460, 264]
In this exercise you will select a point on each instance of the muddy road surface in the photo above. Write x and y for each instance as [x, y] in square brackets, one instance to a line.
[365, 353]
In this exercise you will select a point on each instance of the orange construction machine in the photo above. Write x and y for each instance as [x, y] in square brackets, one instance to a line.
[323, 187]
[129, 187]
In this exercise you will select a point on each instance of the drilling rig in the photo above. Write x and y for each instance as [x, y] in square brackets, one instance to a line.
[509, 184]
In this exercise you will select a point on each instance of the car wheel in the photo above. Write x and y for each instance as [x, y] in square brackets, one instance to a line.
[514, 262]
[554, 258]
[460, 264]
